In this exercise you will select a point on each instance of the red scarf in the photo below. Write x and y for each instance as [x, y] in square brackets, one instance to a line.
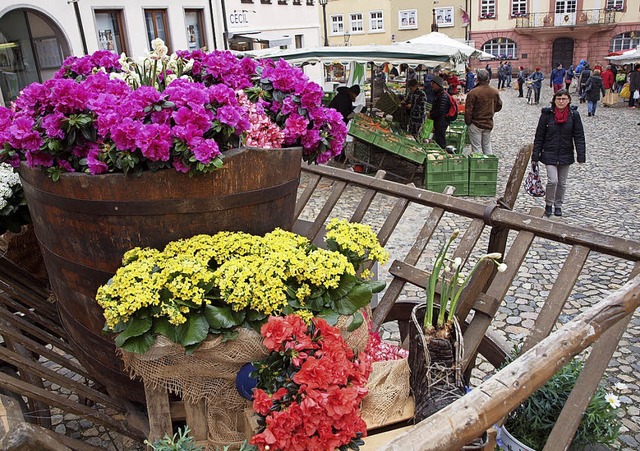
[561, 116]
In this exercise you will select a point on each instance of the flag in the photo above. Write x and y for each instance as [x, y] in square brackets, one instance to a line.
[465, 18]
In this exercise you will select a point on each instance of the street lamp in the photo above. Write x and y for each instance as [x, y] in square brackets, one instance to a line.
[346, 38]
[324, 21]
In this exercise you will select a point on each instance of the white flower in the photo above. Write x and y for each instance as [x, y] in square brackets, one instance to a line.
[494, 256]
[620, 386]
[502, 267]
[457, 262]
[613, 400]
[170, 78]
[156, 44]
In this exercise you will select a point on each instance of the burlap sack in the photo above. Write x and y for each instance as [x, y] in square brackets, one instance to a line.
[210, 373]
[388, 393]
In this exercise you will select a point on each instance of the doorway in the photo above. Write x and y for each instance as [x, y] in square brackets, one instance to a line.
[32, 49]
[562, 52]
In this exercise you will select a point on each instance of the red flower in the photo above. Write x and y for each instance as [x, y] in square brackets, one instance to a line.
[275, 333]
[261, 402]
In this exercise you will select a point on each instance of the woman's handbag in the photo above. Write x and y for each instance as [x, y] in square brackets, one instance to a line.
[625, 93]
[532, 183]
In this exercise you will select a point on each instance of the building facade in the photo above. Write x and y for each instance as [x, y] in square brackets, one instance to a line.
[547, 32]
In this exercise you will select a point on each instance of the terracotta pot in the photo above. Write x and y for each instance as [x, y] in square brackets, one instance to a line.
[86, 223]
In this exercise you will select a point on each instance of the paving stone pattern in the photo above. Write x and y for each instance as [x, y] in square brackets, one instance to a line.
[602, 194]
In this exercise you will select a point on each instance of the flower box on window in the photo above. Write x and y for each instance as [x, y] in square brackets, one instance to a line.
[615, 8]
[487, 16]
[519, 14]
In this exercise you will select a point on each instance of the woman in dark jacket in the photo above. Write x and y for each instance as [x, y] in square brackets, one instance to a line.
[592, 92]
[559, 132]
[439, 111]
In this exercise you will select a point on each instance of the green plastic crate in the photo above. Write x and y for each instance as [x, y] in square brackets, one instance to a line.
[483, 169]
[403, 146]
[462, 188]
[482, 189]
[458, 166]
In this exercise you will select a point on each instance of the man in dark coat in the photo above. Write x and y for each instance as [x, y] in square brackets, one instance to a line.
[592, 92]
[343, 101]
[481, 104]
[439, 111]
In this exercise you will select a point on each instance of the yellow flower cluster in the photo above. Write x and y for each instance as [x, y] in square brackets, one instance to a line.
[247, 271]
[358, 239]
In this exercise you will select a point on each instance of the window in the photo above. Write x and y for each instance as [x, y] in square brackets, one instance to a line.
[444, 16]
[156, 20]
[356, 23]
[407, 19]
[299, 39]
[376, 21]
[518, 8]
[337, 24]
[615, 5]
[625, 41]
[110, 34]
[310, 3]
[487, 9]
[502, 48]
[265, 2]
[193, 19]
[297, 2]
[283, 2]
[246, 1]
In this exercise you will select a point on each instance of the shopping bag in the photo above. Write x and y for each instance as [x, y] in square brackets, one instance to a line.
[636, 95]
[517, 85]
[610, 98]
[625, 93]
[532, 183]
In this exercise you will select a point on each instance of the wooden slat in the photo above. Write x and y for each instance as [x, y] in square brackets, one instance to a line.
[318, 225]
[469, 416]
[497, 290]
[32, 330]
[558, 296]
[196, 414]
[52, 399]
[43, 322]
[33, 346]
[22, 282]
[42, 371]
[569, 419]
[303, 199]
[365, 201]
[159, 412]
[395, 286]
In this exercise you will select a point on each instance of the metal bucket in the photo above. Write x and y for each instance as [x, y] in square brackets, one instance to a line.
[86, 223]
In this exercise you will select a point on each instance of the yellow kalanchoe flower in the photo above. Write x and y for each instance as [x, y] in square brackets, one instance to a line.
[357, 238]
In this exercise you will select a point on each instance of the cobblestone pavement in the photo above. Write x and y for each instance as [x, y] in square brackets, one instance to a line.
[602, 194]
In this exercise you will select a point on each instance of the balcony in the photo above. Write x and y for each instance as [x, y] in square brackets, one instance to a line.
[587, 20]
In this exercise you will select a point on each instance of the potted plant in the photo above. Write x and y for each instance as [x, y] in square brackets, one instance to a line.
[116, 153]
[436, 342]
[528, 427]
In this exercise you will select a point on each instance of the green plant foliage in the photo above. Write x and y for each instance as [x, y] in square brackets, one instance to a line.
[181, 441]
[532, 422]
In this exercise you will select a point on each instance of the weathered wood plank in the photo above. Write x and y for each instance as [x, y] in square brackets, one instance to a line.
[365, 201]
[558, 296]
[196, 414]
[303, 199]
[318, 224]
[33, 315]
[159, 412]
[461, 421]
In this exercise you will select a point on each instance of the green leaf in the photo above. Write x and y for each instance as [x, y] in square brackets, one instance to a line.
[357, 298]
[315, 303]
[347, 283]
[377, 285]
[162, 326]
[356, 322]
[135, 328]
[140, 344]
[223, 317]
[194, 331]
[330, 315]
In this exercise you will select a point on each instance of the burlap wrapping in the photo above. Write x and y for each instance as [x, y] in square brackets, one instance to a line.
[22, 248]
[388, 392]
[210, 373]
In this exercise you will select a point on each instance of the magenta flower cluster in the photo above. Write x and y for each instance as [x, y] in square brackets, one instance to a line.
[89, 119]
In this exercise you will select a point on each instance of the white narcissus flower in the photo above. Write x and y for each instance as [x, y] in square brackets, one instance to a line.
[613, 400]
[170, 78]
[156, 44]
[457, 262]
[502, 267]
[494, 256]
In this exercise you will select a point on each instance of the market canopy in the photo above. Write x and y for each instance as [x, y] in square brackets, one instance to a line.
[630, 56]
[412, 54]
[442, 40]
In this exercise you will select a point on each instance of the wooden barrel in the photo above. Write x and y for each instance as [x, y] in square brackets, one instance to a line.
[86, 223]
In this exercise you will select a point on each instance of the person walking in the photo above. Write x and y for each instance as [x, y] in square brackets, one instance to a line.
[537, 78]
[439, 111]
[508, 74]
[501, 76]
[585, 73]
[556, 80]
[469, 80]
[634, 85]
[592, 91]
[521, 78]
[559, 139]
[480, 106]
[568, 77]
[343, 104]
[608, 80]
[416, 103]
[488, 69]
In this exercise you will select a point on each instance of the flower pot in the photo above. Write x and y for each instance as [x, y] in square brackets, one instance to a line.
[436, 378]
[86, 223]
[509, 443]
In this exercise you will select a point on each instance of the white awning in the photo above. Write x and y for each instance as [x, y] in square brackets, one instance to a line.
[273, 40]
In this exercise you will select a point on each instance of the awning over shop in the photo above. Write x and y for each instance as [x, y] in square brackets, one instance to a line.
[273, 40]
[629, 56]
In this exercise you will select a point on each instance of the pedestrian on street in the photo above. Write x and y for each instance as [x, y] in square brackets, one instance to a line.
[559, 137]
[427, 84]
[568, 77]
[480, 106]
[537, 78]
[556, 80]
[592, 92]
[470, 80]
[488, 69]
[501, 76]
[521, 78]
[439, 111]
[343, 104]
[508, 74]
[634, 85]
[416, 103]
[585, 73]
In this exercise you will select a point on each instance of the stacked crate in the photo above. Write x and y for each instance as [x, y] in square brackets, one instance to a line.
[442, 169]
[483, 175]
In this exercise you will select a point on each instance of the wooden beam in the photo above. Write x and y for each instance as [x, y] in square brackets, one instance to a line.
[466, 418]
